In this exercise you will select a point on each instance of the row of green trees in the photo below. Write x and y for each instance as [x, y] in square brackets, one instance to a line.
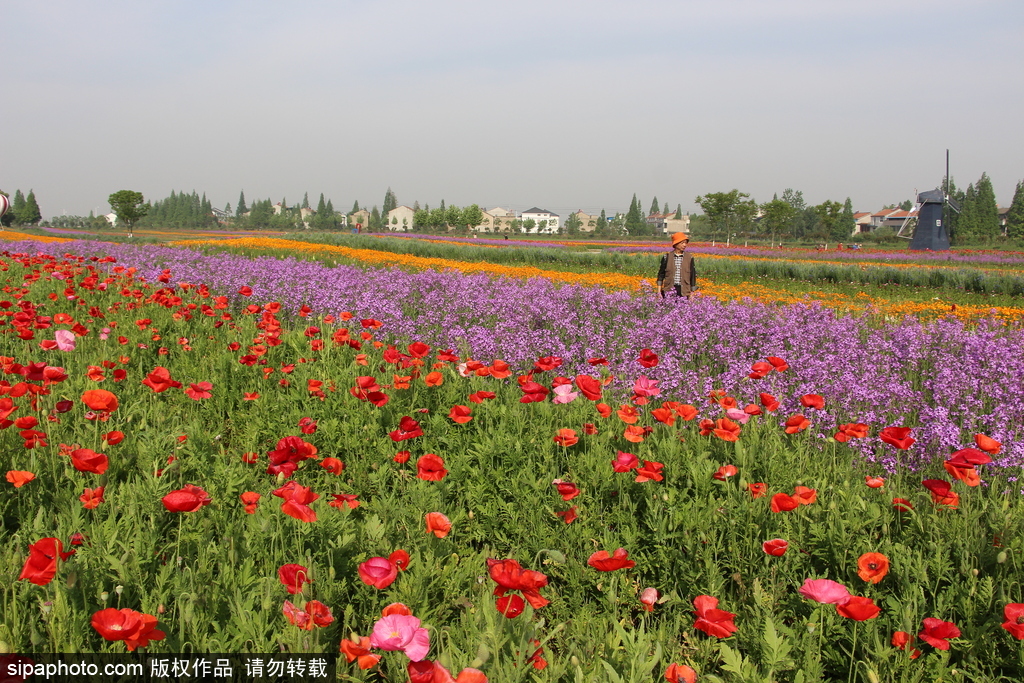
[24, 209]
[978, 218]
[733, 214]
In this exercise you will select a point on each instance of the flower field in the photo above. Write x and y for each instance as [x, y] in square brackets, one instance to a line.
[448, 474]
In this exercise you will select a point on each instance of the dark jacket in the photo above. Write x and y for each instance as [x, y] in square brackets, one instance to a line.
[667, 273]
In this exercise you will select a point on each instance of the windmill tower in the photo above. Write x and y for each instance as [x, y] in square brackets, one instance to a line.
[932, 231]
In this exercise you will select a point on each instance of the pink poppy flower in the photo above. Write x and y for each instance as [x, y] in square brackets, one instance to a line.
[403, 633]
[65, 340]
[824, 591]
[564, 394]
[741, 416]
[649, 597]
[379, 572]
[645, 386]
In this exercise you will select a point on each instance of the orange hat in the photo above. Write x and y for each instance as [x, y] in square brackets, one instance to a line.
[679, 237]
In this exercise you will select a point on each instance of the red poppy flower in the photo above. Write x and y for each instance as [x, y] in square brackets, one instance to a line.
[804, 495]
[134, 628]
[775, 547]
[307, 425]
[987, 444]
[567, 490]
[624, 462]
[902, 504]
[19, 478]
[568, 516]
[92, 498]
[872, 567]
[897, 436]
[88, 460]
[962, 472]
[604, 410]
[751, 409]
[942, 492]
[812, 401]
[293, 576]
[711, 620]
[858, 608]
[680, 673]
[547, 363]
[649, 471]
[779, 364]
[874, 482]
[598, 361]
[359, 652]
[770, 403]
[296, 500]
[188, 499]
[408, 428]
[344, 499]
[250, 499]
[635, 434]
[589, 387]
[726, 430]
[100, 399]
[159, 380]
[509, 575]
[853, 430]
[290, 451]
[796, 424]
[332, 465]
[566, 438]
[370, 323]
[460, 414]
[315, 613]
[936, 632]
[401, 457]
[438, 524]
[199, 391]
[604, 562]
[902, 641]
[648, 358]
[627, 414]
[113, 438]
[759, 370]
[481, 396]
[1014, 624]
[724, 472]
[757, 490]
[783, 502]
[41, 564]
[379, 572]
[430, 467]
[589, 428]
[510, 606]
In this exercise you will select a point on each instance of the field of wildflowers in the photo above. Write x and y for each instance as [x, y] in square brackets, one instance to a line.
[517, 479]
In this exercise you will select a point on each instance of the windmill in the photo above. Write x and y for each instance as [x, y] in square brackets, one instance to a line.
[932, 231]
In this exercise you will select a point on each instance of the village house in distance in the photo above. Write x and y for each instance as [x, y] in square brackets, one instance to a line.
[533, 221]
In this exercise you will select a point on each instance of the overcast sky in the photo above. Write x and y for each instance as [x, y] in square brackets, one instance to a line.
[557, 104]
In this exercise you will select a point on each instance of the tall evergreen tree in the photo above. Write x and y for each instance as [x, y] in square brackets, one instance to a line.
[1015, 217]
[847, 224]
[655, 207]
[375, 223]
[241, 208]
[305, 200]
[320, 219]
[987, 213]
[355, 206]
[18, 207]
[31, 214]
[635, 223]
[966, 226]
[390, 202]
[332, 217]
[679, 212]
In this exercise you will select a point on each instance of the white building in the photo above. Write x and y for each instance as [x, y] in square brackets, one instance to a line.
[399, 219]
[545, 221]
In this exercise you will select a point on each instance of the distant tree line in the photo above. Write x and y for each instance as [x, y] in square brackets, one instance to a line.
[24, 209]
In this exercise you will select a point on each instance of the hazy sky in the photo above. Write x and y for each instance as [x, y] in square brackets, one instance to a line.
[558, 104]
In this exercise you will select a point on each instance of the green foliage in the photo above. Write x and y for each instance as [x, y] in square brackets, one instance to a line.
[129, 206]
[376, 223]
[182, 210]
[728, 211]
[655, 207]
[390, 202]
[30, 214]
[777, 218]
[1015, 217]
[241, 208]
[635, 224]
[986, 211]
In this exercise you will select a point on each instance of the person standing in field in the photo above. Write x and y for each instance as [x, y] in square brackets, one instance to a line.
[677, 273]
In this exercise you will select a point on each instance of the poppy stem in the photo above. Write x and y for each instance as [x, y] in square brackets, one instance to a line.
[853, 651]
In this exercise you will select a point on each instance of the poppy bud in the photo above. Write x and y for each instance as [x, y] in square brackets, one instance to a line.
[46, 606]
[872, 676]
[161, 609]
[975, 571]
[71, 580]
[104, 596]
[470, 515]
[4, 648]
[118, 590]
[574, 660]
[1001, 557]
